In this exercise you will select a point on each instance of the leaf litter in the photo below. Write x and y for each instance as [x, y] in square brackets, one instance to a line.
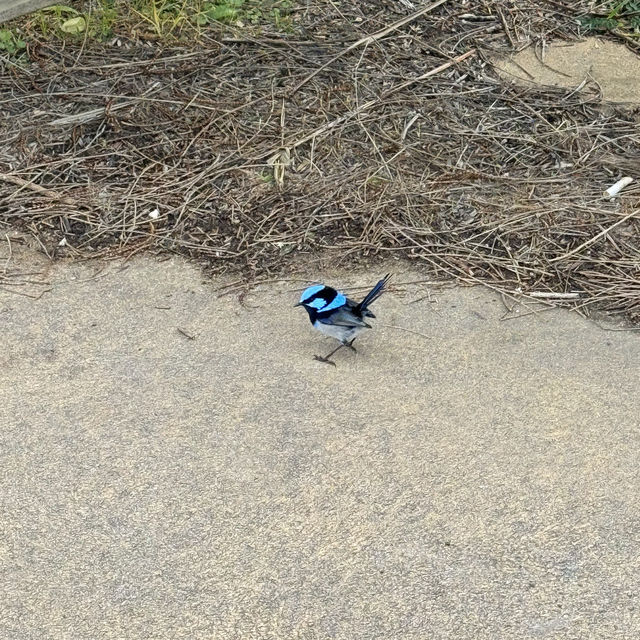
[368, 130]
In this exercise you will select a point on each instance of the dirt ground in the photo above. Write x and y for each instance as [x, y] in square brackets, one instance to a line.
[611, 65]
[463, 476]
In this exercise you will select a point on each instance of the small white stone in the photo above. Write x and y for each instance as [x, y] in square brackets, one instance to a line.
[615, 189]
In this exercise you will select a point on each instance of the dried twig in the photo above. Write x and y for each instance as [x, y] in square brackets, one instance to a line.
[589, 242]
[25, 184]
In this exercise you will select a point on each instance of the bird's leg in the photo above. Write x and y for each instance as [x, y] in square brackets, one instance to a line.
[350, 345]
[326, 358]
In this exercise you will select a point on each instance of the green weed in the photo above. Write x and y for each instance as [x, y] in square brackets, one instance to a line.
[623, 15]
[11, 42]
[157, 19]
[221, 11]
[165, 17]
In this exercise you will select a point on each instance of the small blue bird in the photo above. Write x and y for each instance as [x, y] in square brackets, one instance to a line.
[335, 315]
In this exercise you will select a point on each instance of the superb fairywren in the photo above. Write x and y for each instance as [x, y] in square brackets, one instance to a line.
[335, 315]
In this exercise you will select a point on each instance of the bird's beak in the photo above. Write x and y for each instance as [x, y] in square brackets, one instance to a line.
[297, 304]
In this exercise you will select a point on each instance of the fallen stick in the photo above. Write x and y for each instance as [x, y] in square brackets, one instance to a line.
[596, 237]
[553, 295]
[54, 195]
[93, 114]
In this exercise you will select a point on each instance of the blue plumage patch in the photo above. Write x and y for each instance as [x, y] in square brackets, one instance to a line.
[310, 292]
[337, 302]
[317, 303]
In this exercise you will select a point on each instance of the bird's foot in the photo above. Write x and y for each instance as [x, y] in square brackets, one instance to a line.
[350, 345]
[321, 359]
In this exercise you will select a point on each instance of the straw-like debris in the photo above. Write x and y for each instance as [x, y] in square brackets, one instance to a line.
[373, 129]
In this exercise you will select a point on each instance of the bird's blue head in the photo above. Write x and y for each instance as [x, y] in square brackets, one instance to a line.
[320, 298]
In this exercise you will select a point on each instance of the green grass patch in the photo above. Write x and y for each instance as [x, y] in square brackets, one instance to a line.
[11, 42]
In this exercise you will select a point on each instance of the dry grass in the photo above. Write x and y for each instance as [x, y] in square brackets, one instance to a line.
[256, 148]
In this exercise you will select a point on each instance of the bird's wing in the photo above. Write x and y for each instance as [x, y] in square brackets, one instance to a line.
[343, 317]
[353, 306]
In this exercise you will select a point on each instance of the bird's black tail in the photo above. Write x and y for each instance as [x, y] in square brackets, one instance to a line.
[374, 294]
